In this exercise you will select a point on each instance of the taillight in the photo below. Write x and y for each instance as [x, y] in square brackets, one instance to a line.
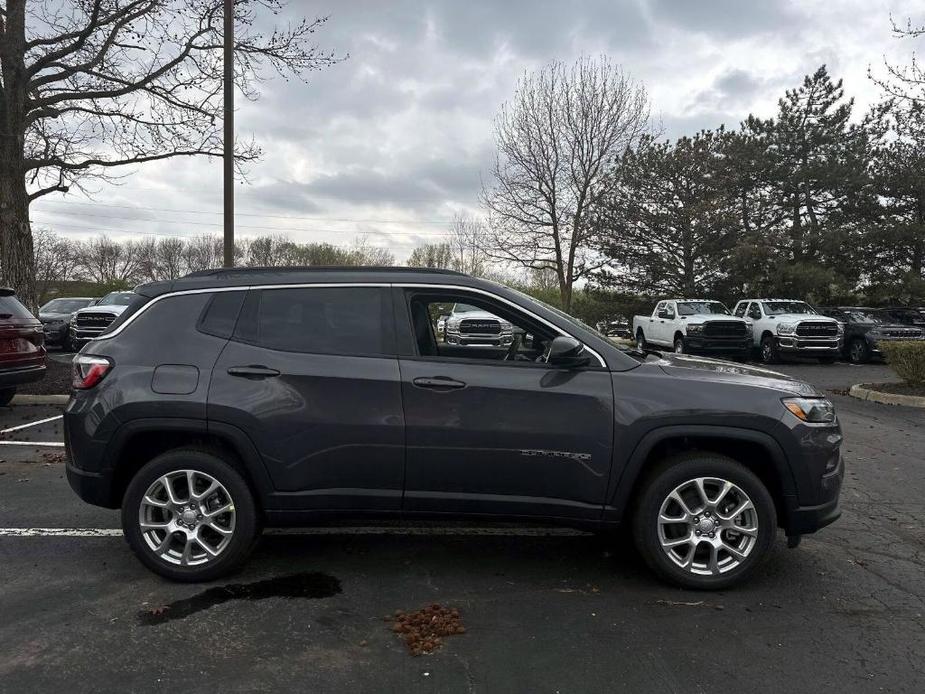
[88, 370]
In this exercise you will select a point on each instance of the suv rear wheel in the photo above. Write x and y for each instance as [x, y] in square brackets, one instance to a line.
[704, 521]
[189, 516]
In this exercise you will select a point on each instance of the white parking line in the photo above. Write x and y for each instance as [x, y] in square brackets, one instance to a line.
[56, 444]
[31, 424]
[362, 530]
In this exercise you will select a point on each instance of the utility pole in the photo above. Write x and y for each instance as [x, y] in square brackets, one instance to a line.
[228, 142]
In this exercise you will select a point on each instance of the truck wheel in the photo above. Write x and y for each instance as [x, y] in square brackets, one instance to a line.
[679, 345]
[704, 521]
[769, 353]
[6, 396]
[858, 351]
[189, 516]
[641, 343]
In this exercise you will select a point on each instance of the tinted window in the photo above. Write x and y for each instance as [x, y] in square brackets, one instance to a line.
[754, 312]
[222, 313]
[335, 320]
[11, 308]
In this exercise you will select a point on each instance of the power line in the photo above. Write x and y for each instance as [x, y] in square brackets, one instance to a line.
[255, 227]
[250, 214]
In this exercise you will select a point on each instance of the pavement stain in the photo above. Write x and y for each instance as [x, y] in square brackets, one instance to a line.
[312, 585]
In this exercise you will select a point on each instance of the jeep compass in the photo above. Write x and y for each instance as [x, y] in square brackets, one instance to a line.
[291, 396]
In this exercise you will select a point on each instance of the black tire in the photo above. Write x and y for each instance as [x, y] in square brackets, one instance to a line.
[679, 346]
[858, 351]
[676, 471]
[246, 526]
[6, 396]
[769, 351]
[641, 343]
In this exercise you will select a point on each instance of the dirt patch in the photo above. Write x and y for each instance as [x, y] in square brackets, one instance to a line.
[57, 381]
[423, 631]
[897, 388]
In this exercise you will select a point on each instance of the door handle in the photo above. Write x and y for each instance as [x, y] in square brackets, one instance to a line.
[252, 371]
[439, 383]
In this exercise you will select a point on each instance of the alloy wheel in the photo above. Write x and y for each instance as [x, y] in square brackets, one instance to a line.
[187, 518]
[707, 526]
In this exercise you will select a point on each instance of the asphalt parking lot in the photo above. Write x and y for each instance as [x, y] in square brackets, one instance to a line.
[544, 612]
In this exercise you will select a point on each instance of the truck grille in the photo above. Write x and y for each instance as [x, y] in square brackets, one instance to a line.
[727, 328]
[817, 329]
[474, 326]
[95, 320]
[907, 333]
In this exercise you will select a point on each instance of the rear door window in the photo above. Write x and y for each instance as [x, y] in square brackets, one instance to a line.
[323, 320]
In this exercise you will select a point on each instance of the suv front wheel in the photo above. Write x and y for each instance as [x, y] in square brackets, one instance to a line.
[189, 516]
[704, 521]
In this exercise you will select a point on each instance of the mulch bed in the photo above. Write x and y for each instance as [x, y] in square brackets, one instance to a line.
[897, 388]
[57, 381]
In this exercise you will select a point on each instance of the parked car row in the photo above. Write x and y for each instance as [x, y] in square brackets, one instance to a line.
[71, 322]
[774, 328]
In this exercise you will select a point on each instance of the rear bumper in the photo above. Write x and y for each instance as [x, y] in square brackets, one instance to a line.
[93, 487]
[15, 376]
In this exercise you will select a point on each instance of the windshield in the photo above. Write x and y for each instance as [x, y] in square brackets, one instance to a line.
[863, 317]
[117, 299]
[64, 305]
[772, 308]
[689, 308]
[464, 308]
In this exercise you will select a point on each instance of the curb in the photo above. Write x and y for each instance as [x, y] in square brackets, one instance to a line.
[862, 392]
[40, 399]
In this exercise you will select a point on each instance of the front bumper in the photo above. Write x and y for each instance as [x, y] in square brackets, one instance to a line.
[55, 334]
[702, 343]
[810, 346]
[803, 520]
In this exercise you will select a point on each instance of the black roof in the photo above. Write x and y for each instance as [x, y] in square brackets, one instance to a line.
[243, 276]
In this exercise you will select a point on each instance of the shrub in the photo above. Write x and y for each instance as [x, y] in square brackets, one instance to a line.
[907, 359]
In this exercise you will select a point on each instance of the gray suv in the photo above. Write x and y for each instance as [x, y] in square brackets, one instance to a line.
[291, 396]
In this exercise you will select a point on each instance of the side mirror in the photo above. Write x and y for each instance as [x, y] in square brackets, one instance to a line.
[567, 352]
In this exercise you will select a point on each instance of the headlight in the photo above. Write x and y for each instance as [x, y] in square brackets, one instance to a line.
[816, 410]
[841, 328]
[786, 328]
[694, 329]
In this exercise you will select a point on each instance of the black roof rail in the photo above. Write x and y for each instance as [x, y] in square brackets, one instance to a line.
[218, 272]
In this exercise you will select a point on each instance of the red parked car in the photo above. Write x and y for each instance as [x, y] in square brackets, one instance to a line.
[22, 346]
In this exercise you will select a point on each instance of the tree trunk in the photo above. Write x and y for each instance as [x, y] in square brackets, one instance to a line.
[17, 262]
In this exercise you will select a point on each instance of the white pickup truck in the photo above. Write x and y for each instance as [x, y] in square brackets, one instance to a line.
[694, 325]
[791, 326]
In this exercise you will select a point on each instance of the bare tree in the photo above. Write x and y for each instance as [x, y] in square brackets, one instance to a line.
[271, 251]
[434, 255]
[903, 82]
[107, 262]
[565, 123]
[161, 259]
[205, 252]
[364, 253]
[56, 259]
[467, 245]
[89, 85]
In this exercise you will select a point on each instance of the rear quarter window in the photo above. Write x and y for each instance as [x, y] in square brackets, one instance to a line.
[10, 307]
[323, 320]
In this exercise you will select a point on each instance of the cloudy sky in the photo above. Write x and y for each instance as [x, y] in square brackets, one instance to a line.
[394, 140]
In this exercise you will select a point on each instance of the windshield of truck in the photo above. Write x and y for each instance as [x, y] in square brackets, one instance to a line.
[464, 308]
[64, 305]
[864, 317]
[117, 299]
[689, 308]
[775, 308]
